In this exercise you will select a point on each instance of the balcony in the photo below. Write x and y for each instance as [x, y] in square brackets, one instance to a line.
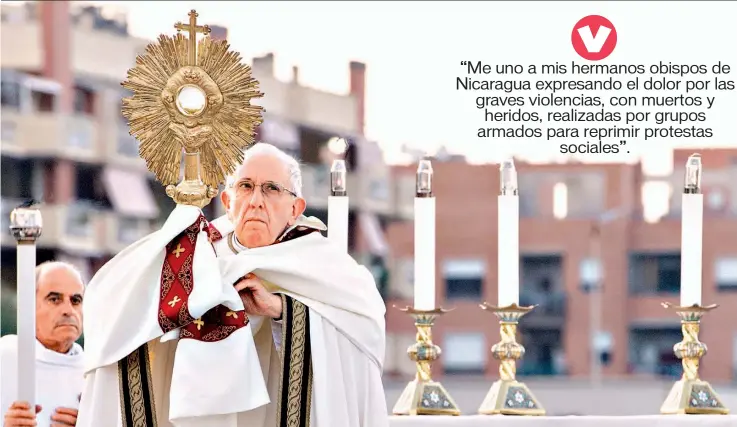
[550, 312]
[74, 227]
[41, 133]
[122, 231]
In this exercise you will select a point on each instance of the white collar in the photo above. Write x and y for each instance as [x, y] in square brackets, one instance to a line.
[236, 245]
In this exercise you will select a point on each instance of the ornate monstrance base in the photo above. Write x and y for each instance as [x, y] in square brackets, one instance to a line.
[425, 398]
[510, 397]
[693, 397]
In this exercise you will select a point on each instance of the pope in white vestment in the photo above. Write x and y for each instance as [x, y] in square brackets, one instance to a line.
[169, 341]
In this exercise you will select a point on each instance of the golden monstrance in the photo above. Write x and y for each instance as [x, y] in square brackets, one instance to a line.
[194, 100]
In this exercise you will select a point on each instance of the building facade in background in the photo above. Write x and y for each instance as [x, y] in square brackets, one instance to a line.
[582, 225]
[65, 142]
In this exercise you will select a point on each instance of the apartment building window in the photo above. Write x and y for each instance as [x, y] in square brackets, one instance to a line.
[651, 350]
[589, 273]
[90, 187]
[725, 273]
[10, 186]
[10, 94]
[544, 354]
[43, 101]
[464, 279]
[655, 273]
[464, 353]
[541, 281]
[83, 101]
[560, 200]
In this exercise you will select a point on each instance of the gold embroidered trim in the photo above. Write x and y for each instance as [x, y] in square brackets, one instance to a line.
[296, 374]
[298, 318]
[131, 385]
[285, 321]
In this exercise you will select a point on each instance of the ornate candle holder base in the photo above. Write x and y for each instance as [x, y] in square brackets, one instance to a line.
[507, 396]
[691, 395]
[423, 396]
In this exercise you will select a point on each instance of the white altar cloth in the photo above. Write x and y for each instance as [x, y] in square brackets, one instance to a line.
[567, 421]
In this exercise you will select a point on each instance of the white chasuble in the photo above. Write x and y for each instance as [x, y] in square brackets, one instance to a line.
[168, 343]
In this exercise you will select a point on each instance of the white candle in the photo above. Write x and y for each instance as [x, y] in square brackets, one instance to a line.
[25, 226]
[692, 221]
[508, 250]
[424, 253]
[424, 239]
[338, 205]
[338, 221]
[508, 237]
[691, 247]
[26, 320]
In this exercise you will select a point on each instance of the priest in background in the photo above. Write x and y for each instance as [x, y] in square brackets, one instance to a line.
[59, 364]
[253, 320]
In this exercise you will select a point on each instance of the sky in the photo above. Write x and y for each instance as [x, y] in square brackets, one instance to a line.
[408, 48]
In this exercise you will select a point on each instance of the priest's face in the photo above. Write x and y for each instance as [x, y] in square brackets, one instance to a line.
[59, 292]
[261, 202]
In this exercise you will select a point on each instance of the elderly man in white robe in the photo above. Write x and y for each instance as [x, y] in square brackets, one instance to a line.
[252, 320]
[59, 364]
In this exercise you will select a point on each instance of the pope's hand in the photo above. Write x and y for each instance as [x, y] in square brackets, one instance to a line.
[64, 417]
[20, 415]
[256, 299]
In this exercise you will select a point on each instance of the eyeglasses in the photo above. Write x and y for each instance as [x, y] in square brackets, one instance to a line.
[269, 189]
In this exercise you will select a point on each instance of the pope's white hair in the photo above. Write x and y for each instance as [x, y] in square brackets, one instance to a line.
[264, 149]
[50, 265]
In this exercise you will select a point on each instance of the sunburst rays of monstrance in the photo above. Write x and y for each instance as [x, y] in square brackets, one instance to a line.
[191, 100]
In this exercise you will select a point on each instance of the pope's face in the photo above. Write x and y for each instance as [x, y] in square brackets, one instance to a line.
[58, 308]
[260, 203]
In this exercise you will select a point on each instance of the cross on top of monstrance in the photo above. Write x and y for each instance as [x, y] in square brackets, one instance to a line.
[193, 29]
[191, 100]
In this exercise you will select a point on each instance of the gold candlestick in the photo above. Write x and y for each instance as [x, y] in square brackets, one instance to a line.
[423, 396]
[507, 396]
[691, 395]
